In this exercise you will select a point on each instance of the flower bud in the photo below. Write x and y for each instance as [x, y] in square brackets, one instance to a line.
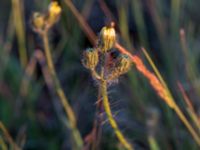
[107, 38]
[54, 13]
[38, 20]
[90, 58]
[123, 64]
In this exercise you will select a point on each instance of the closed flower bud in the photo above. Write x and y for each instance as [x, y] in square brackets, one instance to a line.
[107, 38]
[38, 20]
[123, 64]
[53, 13]
[90, 58]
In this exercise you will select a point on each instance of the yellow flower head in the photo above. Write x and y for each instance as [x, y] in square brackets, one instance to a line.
[53, 13]
[90, 58]
[38, 20]
[54, 8]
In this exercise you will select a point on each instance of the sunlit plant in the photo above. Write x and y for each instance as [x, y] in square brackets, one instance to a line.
[104, 70]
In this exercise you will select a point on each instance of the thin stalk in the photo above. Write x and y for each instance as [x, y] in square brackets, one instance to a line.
[8, 137]
[94, 137]
[91, 35]
[154, 67]
[175, 16]
[97, 124]
[29, 71]
[187, 124]
[19, 28]
[120, 136]
[137, 12]
[169, 95]
[152, 143]
[3, 144]
[194, 118]
[60, 92]
[158, 74]
[123, 26]
[40, 58]
[190, 108]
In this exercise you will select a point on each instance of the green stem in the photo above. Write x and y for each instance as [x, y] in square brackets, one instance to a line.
[187, 124]
[19, 28]
[60, 92]
[120, 136]
[152, 143]
[171, 99]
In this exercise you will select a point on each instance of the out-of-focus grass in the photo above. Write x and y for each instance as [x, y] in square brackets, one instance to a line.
[153, 24]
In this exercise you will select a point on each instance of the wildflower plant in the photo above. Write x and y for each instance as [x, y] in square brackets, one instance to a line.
[156, 26]
[42, 22]
[104, 70]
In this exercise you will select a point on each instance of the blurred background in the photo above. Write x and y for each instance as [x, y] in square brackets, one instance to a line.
[168, 29]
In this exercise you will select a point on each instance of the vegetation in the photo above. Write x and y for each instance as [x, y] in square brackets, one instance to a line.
[136, 87]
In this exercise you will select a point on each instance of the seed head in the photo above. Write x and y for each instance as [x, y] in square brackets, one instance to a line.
[107, 38]
[90, 58]
[38, 21]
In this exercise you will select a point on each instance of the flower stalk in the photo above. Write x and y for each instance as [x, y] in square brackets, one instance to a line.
[120, 136]
[59, 90]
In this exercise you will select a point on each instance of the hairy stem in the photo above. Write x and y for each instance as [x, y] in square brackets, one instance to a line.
[120, 136]
[61, 94]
